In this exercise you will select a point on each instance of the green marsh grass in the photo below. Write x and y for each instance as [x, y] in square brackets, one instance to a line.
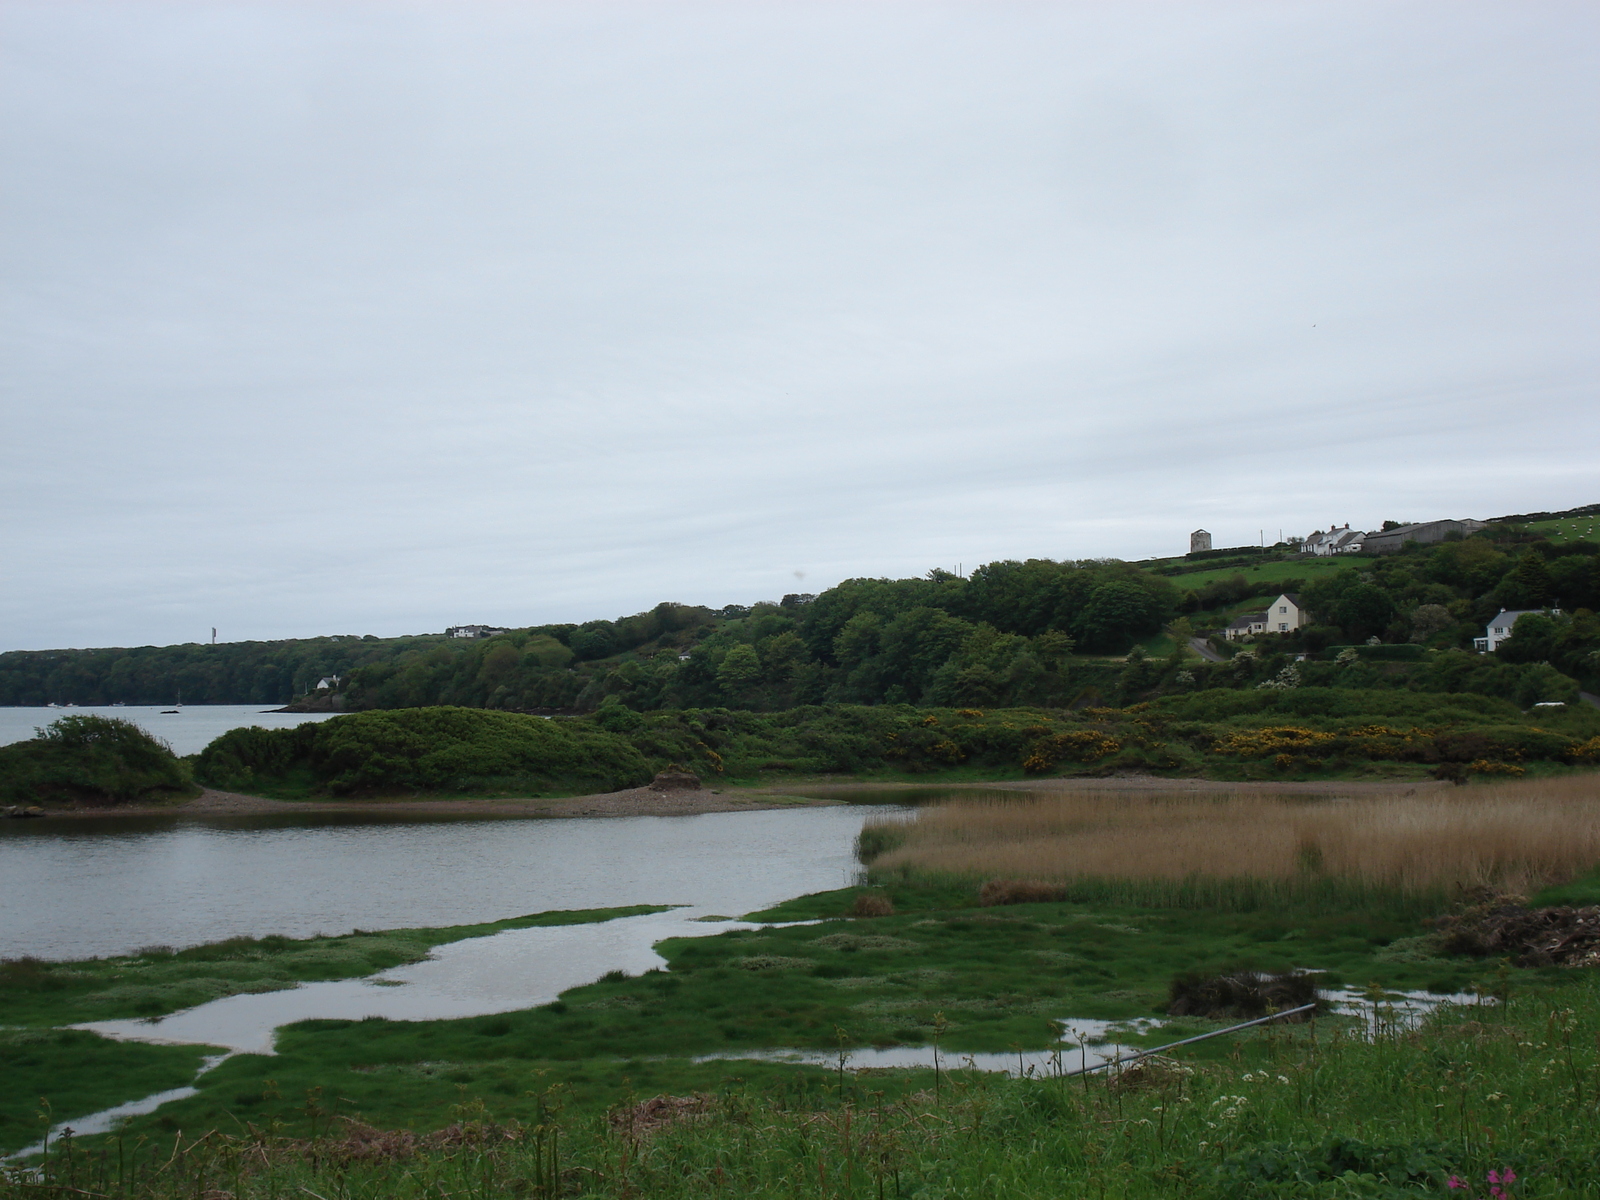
[1303, 1112]
[992, 980]
[73, 1072]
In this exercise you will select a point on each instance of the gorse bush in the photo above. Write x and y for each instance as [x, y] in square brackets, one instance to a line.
[424, 750]
[93, 760]
[1274, 734]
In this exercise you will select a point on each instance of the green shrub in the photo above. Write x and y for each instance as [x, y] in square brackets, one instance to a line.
[425, 750]
[92, 759]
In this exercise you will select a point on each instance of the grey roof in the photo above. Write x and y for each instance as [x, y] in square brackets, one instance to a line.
[1400, 531]
[1293, 598]
[1513, 613]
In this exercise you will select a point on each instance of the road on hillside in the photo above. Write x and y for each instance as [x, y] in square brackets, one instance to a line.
[1203, 649]
[1589, 698]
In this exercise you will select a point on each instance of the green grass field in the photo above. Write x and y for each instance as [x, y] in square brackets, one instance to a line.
[1272, 1113]
[1567, 529]
[1305, 566]
[983, 979]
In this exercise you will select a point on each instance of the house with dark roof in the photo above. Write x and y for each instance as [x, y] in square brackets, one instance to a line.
[1339, 539]
[1500, 627]
[1283, 615]
[1286, 613]
[1245, 625]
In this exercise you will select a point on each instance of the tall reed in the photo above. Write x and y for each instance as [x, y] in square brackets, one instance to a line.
[1514, 837]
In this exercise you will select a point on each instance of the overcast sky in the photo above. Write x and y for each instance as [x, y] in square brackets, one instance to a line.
[374, 318]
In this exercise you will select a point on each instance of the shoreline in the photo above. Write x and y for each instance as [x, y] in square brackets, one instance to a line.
[652, 802]
[1159, 783]
[630, 802]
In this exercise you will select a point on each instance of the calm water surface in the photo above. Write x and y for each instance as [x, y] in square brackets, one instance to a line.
[187, 731]
[79, 889]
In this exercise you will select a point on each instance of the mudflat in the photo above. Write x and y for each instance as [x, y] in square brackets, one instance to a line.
[631, 802]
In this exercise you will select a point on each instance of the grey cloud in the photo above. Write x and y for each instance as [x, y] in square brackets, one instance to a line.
[378, 318]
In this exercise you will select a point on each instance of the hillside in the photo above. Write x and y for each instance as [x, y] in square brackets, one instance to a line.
[1038, 632]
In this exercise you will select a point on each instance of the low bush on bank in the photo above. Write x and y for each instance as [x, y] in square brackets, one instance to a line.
[89, 759]
[420, 750]
[1293, 733]
[1305, 731]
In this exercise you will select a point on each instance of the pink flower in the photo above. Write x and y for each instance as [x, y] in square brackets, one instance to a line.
[1455, 1181]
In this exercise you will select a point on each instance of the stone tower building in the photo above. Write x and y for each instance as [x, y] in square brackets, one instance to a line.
[1199, 540]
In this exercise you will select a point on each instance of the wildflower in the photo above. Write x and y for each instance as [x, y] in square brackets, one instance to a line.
[1283, 1079]
[1455, 1181]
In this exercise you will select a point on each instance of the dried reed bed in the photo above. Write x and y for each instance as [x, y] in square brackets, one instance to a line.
[1515, 837]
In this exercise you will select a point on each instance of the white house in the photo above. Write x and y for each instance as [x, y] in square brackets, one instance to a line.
[1244, 626]
[1499, 629]
[1281, 616]
[1339, 539]
[473, 631]
[1285, 613]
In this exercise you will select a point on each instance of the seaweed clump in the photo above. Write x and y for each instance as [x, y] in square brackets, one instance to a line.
[1240, 995]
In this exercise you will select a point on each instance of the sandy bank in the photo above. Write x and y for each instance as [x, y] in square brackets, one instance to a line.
[1161, 783]
[649, 802]
[632, 802]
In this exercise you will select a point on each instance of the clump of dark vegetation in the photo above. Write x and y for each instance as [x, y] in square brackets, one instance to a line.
[93, 760]
[1019, 891]
[1530, 937]
[872, 904]
[415, 750]
[1240, 995]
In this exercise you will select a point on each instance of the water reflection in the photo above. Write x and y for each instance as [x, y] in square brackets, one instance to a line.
[1086, 1043]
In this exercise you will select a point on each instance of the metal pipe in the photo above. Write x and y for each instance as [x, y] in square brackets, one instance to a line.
[1118, 1061]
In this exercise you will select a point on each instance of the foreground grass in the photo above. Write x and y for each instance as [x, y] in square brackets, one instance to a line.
[976, 979]
[66, 1073]
[54, 1074]
[1291, 1112]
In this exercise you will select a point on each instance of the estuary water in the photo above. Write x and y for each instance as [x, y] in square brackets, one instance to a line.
[81, 889]
[187, 730]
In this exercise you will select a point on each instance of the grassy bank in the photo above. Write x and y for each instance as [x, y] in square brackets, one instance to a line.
[1289, 1113]
[47, 1075]
[65, 1073]
[943, 966]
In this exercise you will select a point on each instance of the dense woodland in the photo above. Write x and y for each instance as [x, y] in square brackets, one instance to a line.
[1039, 632]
